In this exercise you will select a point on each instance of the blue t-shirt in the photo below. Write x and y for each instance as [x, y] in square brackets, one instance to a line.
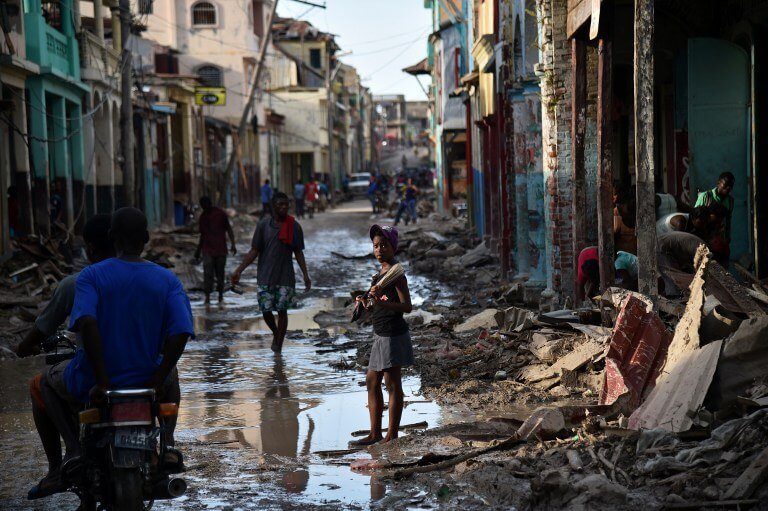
[137, 306]
[266, 194]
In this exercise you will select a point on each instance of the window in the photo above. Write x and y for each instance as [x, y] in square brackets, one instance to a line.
[51, 10]
[166, 63]
[145, 6]
[258, 18]
[210, 76]
[203, 13]
[314, 58]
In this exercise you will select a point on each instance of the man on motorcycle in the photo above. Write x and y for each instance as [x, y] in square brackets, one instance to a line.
[98, 247]
[134, 319]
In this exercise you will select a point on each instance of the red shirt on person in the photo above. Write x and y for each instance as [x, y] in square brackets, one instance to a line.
[585, 255]
[213, 229]
[311, 191]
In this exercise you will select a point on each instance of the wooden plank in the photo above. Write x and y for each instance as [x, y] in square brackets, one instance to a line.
[645, 225]
[578, 14]
[578, 136]
[605, 164]
[594, 22]
[726, 289]
[750, 479]
[574, 360]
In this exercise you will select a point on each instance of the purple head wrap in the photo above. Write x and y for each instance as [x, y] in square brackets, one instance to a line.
[388, 232]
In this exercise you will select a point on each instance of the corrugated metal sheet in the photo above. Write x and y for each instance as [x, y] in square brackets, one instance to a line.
[637, 352]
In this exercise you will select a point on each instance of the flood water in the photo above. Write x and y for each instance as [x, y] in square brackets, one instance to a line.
[250, 422]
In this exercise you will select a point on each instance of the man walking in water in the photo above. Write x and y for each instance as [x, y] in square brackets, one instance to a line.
[214, 226]
[275, 242]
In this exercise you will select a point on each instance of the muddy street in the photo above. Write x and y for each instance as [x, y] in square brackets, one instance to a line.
[250, 422]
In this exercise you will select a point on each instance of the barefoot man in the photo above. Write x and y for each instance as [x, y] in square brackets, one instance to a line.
[276, 240]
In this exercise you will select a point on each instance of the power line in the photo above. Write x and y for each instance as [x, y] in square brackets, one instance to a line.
[389, 38]
[381, 50]
[384, 66]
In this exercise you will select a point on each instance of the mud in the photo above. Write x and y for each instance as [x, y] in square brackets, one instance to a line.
[250, 423]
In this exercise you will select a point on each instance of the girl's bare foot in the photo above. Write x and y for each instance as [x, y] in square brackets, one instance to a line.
[388, 439]
[370, 439]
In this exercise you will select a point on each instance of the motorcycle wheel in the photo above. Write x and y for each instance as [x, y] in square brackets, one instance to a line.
[127, 490]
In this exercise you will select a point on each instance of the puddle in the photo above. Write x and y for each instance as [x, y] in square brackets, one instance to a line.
[242, 407]
[241, 398]
[230, 317]
[255, 408]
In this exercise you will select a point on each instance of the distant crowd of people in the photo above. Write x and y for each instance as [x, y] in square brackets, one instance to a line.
[308, 197]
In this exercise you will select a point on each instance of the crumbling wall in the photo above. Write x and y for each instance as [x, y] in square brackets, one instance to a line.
[590, 147]
[555, 72]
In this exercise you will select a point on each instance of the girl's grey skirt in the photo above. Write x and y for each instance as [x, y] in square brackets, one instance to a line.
[389, 352]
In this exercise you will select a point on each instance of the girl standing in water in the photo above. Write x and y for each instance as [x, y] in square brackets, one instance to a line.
[392, 347]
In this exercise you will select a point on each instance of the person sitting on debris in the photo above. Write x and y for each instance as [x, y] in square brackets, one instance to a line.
[214, 225]
[720, 195]
[276, 241]
[98, 247]
[391, 349]
[624, 215]
[588, 271]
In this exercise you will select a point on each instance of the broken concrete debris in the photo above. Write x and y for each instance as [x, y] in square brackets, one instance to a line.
[626, 402]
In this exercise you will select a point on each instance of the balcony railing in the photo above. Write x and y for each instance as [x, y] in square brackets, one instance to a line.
[56, 53]
[98, 60]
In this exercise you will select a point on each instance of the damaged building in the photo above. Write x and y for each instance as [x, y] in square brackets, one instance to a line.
[568, 101]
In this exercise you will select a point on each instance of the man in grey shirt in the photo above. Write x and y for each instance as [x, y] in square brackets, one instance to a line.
[98, 247]
[275, 242]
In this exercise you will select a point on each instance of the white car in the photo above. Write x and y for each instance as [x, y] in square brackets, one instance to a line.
[358, 184]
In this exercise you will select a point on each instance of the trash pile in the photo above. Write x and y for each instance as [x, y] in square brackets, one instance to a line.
[28, 278]
[174, 249]
[667, 406]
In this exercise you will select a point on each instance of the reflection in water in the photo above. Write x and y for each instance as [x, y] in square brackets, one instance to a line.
[280, 425]
[378, 488]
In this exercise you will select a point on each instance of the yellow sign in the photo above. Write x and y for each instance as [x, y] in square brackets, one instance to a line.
[210, 96]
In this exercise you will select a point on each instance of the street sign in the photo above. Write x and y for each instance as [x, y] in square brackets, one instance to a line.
[210, 96]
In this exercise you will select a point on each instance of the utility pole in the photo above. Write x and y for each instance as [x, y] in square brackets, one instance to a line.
[329, 98]
[126, 107]
[251, 95]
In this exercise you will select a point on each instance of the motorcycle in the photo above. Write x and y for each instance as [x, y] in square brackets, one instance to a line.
[123, 464]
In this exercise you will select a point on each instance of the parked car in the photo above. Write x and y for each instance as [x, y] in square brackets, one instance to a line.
[358, 184]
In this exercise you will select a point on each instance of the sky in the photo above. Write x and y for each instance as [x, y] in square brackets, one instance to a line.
[383, 36]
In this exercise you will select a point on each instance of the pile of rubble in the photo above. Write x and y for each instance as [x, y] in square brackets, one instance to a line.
[667, 406]
[27, 280]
